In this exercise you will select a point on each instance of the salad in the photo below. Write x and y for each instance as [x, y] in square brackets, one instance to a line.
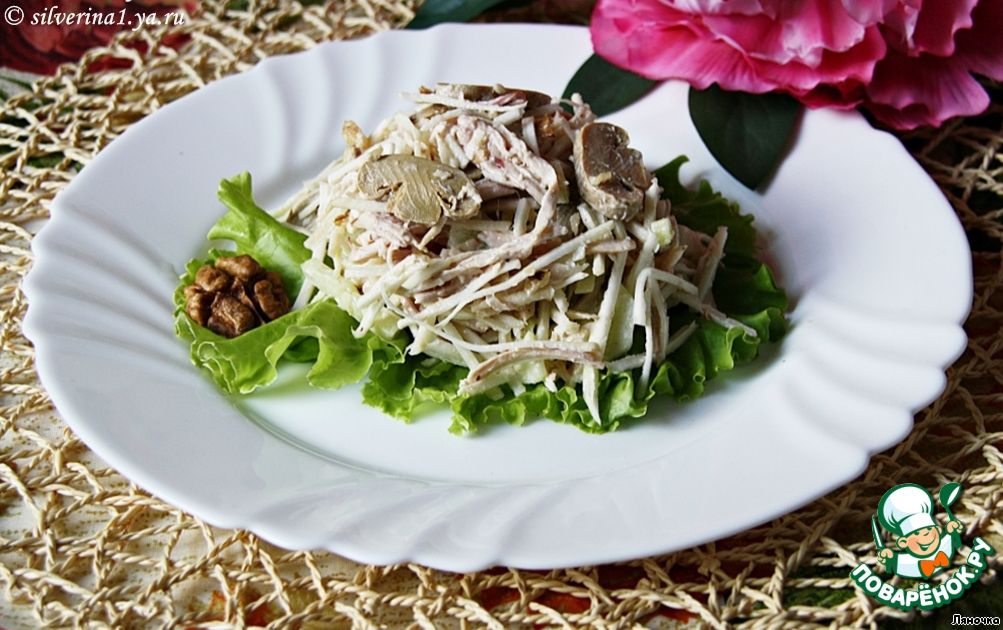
[495, 250]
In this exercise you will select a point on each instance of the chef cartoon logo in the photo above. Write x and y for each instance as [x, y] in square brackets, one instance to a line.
[920, 548]
[923, 547]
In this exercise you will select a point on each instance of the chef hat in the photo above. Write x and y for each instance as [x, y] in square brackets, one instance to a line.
[905, 509]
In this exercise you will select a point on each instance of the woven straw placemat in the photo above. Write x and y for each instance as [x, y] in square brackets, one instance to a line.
[82, 547]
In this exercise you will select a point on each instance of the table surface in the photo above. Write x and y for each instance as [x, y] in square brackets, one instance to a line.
[80, 546]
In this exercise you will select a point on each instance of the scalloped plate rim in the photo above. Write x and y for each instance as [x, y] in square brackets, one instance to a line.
[503, 542]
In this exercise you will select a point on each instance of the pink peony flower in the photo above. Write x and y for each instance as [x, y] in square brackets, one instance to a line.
[909, 62]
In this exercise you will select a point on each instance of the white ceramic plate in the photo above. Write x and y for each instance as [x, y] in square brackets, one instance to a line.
[871, 254]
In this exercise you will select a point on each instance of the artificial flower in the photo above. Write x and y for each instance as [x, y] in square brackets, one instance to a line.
[909, 62]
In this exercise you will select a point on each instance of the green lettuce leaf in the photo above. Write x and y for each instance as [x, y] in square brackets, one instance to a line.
[320, 333]
[705, 210]
[566, 405]
[273, 244]
[403, 389]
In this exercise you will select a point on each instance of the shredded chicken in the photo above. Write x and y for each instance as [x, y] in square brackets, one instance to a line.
[535, 285]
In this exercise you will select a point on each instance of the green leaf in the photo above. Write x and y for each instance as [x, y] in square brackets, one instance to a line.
[273, 244]
[399, 389]
[705, 209]
[742, 291]
[319, 332]
[605, 87]
[434, 12]
[342, 358]
[746, 133]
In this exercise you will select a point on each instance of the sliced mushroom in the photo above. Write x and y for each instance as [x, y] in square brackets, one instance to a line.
[420, 190]
[611, 175]
[479, 93]
[466, 92]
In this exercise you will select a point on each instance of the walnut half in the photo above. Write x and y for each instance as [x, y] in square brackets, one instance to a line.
[235, 295]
